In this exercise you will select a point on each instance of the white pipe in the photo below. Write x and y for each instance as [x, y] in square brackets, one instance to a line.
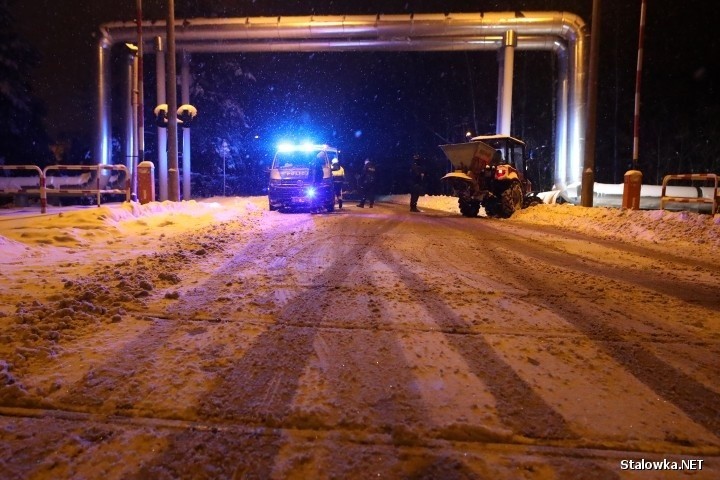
[501, 78]
[134, 112]
[506, 94]
[185, 98]
[561, 125]
[104, 133]
[611, 194]
[129, 113]
[161, 132]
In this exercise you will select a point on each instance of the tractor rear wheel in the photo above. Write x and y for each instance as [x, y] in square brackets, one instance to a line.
[511, 200]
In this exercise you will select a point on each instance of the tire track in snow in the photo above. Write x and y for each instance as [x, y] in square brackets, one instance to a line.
[260, 388]
[696, 400]
[703, 295]
[519, 407]
[600, 281]
[110, 386]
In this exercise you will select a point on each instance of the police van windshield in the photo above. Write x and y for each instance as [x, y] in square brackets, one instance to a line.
[298, 159]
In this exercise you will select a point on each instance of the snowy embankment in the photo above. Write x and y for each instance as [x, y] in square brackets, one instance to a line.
[682, 229]
[87, 226]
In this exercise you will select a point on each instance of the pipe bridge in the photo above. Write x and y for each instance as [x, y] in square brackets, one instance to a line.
[563, 33]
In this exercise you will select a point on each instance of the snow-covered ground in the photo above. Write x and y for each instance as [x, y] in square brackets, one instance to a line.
[89, 226]
[126, 320]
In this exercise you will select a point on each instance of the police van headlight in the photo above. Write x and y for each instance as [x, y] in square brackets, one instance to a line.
[310, 192]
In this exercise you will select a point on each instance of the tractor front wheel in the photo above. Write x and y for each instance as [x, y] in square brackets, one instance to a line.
[469, 208]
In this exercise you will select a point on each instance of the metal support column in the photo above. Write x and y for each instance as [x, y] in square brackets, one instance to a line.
[103, 133]
[162, 156]
[185, 98]
[130, 145]
[173, 174]
[506, 59]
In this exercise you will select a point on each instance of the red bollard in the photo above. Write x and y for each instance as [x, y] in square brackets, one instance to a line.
[146, 182]
[631, 190]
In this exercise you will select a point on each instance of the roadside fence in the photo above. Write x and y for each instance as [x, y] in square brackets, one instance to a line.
[714, 199]
[54, 181]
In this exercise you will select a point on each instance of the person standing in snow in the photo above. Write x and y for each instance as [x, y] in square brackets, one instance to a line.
[338, 176]
[417, 179]
[319, 173]
[367, 184]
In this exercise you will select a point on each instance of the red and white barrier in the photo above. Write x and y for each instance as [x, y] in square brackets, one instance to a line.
[715, 200]
[95, 180]
[30, 185]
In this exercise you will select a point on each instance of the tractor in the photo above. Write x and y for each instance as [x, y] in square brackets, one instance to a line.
[489, 172]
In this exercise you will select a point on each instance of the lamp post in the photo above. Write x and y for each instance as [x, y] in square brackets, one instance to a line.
[173, 173]
[140, 115]
[133, 123]
[636, 118]
[588, 174]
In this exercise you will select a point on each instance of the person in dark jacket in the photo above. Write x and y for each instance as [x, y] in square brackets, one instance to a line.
[367, 184]
[417, 181]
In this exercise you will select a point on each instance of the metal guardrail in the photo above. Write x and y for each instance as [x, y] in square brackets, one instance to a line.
[95, 180]
[28, 185]
[715, 200]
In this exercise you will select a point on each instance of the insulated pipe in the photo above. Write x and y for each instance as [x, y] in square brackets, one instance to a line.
[501, 78]
[577, 108]
[373, 27]
[104, 133]
[561, 112]
[185, 99]
[507, 55]
[134, 127]
[129, 113]
[161, 132]
[387, 33]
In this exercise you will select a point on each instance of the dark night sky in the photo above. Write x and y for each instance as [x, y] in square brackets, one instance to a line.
[680, 70]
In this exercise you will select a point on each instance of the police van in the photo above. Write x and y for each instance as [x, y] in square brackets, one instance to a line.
[300, 178]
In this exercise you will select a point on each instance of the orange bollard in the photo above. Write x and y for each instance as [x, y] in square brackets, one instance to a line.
[146, 182]
[631, 190]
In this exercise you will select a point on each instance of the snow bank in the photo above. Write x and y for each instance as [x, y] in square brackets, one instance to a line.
[655, 226]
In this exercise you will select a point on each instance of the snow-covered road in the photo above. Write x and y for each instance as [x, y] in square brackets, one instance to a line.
[362, 343]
